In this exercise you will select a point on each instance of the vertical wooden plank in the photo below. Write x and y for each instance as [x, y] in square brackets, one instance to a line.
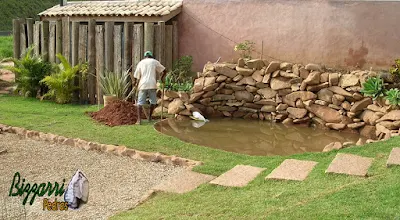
[66, 38]
[117, 49]
[109, 45]
[74, 54]
[23, 37]
[52, 42]
[92, 61]
[17, 39]
[29, 26]
[168, 47]
[156, 44]
[59, 38]
[83, 96]
[138, 44]
[36, 38]
[127, 59]
[161, 48]
[99, 61]
[175, 44]
[148, 36]
[45, 40]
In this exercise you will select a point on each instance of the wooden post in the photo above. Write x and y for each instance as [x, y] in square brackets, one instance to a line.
[92, 61]
[36, 38]
[99, 61]
[148, 36]
[161, 38]
[117, 49]
[138, 44]
[45, 40]
[29, 26]
[74, 54]
[175, 44]
[156, 44]
[82, 59]
[52, 42]
[168, 47]
[127, 59]
[59, 38]
[109, 45]
[17, 40]
[66, 39]
[22, 37]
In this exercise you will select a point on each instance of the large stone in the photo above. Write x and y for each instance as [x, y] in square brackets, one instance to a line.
[239, 176]
[313, 78]
[325, 95]
[332, 146]
[266, 102]
[244, 71]
[221, 78]
[360, 105]
[336, 126]
[285, 66]
[266, 78]
[255, 64]
[247, 81]
[175, 106]
[291, 98]
[258, 75]
[303, 72]
[211, 74]
[221, 97]
[324, 78]
[226, 91]
[292, 169]
[392, 125]
[288, 74]
[235, 104]
[394, 157]
[267, 93]
[205, 101]
[333, 79]
[235, 87]
[268, 108]
[316, 88]
[282, 107]
[244, 95]
[171, 94]
[356, 125]
[280, 83]
[211, 87]
[237, 78]
[252, 105]
[209, 94]
[368, 131]
[350, 164]
[340, 91]
[272, 67]
[313, 67]
[195, 96]
[296, 113]
[241, 62]
[209, 81]
[251, 89]
[295, 69]
[325, 113]
[226, 71]
[369, 117]
[391, 116]
[198, 84]
[347, 80]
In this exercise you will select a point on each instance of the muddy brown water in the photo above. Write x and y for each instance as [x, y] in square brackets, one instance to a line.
[254, 137]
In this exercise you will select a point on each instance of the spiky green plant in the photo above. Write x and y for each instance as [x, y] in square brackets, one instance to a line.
[116, 84]
[29, 71]
[61, 83]
[393, 96]
[373, 87]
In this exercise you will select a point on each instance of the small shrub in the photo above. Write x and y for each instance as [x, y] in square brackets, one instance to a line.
[61, 83]
[373, 87]
[395, 69]
[245, 49]
[29, 71]
[115, 84]
[393, 96]
[180, 78]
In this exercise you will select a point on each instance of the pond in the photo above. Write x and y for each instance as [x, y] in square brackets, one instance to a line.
[254, 137]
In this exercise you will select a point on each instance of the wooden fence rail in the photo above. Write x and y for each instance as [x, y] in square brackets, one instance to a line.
[103, 46]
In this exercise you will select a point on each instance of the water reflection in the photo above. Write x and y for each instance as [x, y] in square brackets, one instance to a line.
[253, 137]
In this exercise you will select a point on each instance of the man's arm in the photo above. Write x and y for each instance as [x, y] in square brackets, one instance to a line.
[163, 74]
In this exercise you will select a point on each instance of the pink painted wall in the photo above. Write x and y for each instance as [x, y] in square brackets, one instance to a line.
[340, 34]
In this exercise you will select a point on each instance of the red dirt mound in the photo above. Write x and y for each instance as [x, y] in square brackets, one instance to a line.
[117, 113]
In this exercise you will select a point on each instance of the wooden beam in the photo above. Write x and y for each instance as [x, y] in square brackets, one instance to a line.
[117, 49]
[17, 39]
[52, 42]
[83, 96]
[138, 44]
[66, 34]
[168, 47]
[149, 36]
[74, 55]
[161, 52]
[92, 61]
[99, 61]
[127, 59]
[22, 37]
[36, 37]
[156, 42]
[29, 27]
[109, 45]
[45, 40]
[59, 38]
[175, 41]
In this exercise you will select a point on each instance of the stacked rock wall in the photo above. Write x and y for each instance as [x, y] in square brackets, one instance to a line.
[287, 93]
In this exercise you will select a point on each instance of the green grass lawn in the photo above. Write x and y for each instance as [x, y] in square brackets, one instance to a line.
[6, 47]
[320, 196]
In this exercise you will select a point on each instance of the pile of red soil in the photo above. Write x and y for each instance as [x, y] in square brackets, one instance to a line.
[117, 113]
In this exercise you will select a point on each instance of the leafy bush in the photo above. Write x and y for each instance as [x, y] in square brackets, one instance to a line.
[29, 71]
[245, 49]
[61, 83]
[395, 69]
[373, 87]
[393, 96]
[180, 78]
[115, 84]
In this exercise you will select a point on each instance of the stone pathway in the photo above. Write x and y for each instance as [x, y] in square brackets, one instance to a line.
[292, 169]
[183, 182]
[394, 157]
[350, 164]
[239, 176]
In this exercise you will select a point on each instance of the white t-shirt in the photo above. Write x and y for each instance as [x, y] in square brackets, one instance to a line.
[147, 71]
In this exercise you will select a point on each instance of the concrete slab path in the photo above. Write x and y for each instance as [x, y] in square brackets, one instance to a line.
[239, 176]
[292, 169]
[350, 164]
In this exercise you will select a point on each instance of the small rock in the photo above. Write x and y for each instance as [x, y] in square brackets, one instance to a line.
[237, 78]
[360, 142]
[195, 96]
[240, 62]
[244, 95]
[303, 72]
[211, 87]
[221, 78]
[336, 126]
[360, 105]
[313, 67]
[255, 64]
[198, 85]
[244, 71]
[325, 95]
[207, 81]
[258, 75]
[325, 113]
[313, 78]
[226, 71]
[324, 77]
[356, 125]
[280, 83]
[266, 78]
[247, 81]
[268, 108]
[332, 146]
[272, 67]
[296, 113]
[333, 79]
[347, 80]
[281, 107]
[321, 102]
[251, 89]
[368, 131]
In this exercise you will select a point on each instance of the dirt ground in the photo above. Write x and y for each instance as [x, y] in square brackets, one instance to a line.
[6, 75]
[115, 183]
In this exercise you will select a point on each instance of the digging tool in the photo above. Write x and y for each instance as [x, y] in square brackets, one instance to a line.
[162, 101]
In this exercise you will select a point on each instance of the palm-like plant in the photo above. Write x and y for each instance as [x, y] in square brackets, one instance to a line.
[116, 84]
[373, 87]
[61, 83]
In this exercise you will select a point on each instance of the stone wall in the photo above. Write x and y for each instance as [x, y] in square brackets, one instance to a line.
[287, 93]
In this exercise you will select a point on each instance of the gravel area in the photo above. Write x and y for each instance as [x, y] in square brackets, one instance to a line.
[115, 183]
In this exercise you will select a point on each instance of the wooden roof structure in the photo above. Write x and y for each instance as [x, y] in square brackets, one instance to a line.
[118, 11]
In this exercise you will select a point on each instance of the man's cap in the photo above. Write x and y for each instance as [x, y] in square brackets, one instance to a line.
[148, 53]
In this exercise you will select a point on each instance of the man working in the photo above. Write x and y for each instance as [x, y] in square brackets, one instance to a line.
[147, 72]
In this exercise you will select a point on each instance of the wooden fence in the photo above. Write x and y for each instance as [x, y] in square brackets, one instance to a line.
[112, 46]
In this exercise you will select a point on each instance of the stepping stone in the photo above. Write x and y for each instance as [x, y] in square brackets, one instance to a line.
[292, 169]
[183, 182]
[350, 164]
[394, 157]
[238, 176]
